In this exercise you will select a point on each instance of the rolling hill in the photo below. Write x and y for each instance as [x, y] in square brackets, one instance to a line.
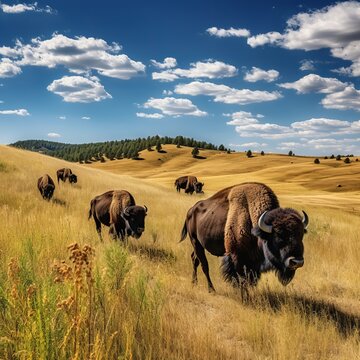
[139, 302]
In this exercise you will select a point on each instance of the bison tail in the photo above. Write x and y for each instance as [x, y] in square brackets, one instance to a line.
[90, 210]
[228, 269]
[183, 232]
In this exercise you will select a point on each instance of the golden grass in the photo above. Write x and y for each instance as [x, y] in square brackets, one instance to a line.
[143, 305]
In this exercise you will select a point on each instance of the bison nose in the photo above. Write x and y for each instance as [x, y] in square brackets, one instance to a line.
[293, 263]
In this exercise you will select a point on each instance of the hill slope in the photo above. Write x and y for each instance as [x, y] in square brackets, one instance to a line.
[152, 311]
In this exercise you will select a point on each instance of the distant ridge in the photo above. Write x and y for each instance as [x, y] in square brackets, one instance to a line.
[119, 149]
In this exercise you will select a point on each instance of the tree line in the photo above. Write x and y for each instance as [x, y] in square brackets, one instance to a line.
[118, 149]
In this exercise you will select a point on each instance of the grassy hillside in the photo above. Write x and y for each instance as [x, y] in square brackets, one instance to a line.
[137, 302]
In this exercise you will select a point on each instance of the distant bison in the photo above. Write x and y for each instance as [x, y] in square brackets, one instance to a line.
[66, 173]
[46, 186]
[246, 226]
[117, 209]
[189, 184]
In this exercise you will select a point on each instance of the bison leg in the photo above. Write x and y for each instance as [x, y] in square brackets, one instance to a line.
[200, 254]
[196, 263]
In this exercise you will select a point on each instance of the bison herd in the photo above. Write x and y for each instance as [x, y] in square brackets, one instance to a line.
[244, 224]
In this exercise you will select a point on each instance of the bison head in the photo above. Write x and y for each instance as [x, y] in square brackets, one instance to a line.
[281, 232]
[198, 187]
[48, 191]
[73, 178]
[134, 217]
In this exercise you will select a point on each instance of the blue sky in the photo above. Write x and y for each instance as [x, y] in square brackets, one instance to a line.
[257, 75]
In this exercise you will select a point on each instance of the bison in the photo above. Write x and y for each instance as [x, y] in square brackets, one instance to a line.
[117, 209]
[46, 186]
[66, 173]
[245, 225]
[189, 184]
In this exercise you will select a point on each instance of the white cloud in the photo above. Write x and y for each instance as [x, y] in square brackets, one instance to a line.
[226, 94]
[85, 117]
[174, 107]
[167, 75]
[79, 89]
[8, 68]
[243, 118]
[311, 129]
[167, 92]
[210, 69]
[256, 74]
[214, 31]
[168, 63]
[53, 135]
[19, 112]
[255, 145]
[347, 99]
[307, 65]
[335, 27]
[315, 83]
[150, 116]
[62, 117]
[80, 55]
[20, 8]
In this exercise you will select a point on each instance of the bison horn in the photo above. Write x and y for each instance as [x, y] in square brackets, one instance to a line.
[145, 209]
[126, 211]
[202, 184]
[305, 220]
[261, 223]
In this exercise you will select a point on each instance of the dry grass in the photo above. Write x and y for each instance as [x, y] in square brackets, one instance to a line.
[138, 302]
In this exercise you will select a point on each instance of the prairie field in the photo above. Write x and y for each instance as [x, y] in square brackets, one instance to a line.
[64, 294]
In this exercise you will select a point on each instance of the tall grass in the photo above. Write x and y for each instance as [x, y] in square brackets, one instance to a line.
[94, 300]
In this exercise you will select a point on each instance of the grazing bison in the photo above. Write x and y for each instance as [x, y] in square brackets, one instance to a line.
[66, 173]
[244, 224]
[46, 186]
[117, 209]
[189, 184]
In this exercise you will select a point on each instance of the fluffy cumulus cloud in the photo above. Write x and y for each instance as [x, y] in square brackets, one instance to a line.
[257, 74]
[168, 63]
[226, 94]
[21, 8]
[80, 55]
[253, 145]
[313, 134]
[8, 68]
[307, 65]
[315, 83]
[335, 27]
[150, 116]
[85, 118]
[174, 107]
[19, 112]
[214, 31]
[79, 89]
[243, 118]
[210, 69]
[53, 135]
[347, 99]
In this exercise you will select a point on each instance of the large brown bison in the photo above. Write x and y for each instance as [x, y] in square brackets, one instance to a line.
[189, 184]
[66, 173]
[117, 209]
[244, 224]
[46, 186]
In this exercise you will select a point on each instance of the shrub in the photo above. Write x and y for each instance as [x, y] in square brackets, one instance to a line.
[316, 161]
[290, 153]
[249, 154]
[262, 153]
[332, 156]
[347, 160]
[195, 152]
[338, 157]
